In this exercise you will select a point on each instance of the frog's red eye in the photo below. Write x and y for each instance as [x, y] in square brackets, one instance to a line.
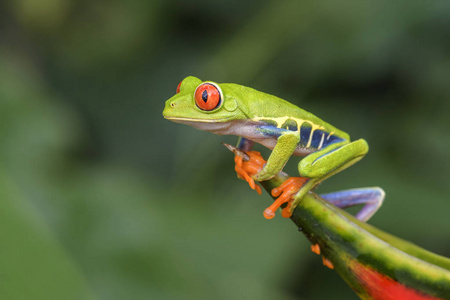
[207, 96]
[178, 87]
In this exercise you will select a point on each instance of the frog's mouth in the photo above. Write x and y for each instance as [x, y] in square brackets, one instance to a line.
[189, 120]
[218, 126]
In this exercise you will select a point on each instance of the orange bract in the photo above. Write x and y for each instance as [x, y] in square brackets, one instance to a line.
[316, 249]
[327, 263]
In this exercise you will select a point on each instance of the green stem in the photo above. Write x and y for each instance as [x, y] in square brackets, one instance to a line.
[375, 264]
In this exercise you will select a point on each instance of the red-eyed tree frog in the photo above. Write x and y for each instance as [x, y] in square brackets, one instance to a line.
[232, 109]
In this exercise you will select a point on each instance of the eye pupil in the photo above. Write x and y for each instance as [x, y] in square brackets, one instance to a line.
[205, 96]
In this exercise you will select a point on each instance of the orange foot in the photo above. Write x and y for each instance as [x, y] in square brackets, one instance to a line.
[246, 169]
[287, 190]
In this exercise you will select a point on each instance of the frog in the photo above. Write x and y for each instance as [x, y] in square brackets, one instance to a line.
[284, 128]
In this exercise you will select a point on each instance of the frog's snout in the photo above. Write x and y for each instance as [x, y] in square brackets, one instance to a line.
[168, 108]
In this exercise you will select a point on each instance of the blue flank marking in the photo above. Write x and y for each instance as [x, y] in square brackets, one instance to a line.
[333, 139]
[317, 136]
[273, 131]
[305, 131]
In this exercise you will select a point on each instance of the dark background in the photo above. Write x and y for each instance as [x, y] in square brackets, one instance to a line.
[101, 197]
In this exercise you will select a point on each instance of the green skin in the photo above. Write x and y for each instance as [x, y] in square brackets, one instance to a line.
[273, 122]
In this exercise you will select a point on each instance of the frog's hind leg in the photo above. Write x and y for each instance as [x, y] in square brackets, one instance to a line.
[372, 198]
[320, 165]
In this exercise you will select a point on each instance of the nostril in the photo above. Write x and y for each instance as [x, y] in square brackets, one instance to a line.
[172, 104]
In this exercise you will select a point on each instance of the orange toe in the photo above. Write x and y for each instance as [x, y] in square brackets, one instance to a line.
[285, 193]
[286, 212]
[269, 214]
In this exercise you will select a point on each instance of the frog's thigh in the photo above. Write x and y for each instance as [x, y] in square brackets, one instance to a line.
[332, 159]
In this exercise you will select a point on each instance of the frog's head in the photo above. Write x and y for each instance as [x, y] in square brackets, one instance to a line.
[204, 105]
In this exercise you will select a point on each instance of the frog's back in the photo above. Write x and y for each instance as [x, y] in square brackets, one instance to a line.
[272, 116]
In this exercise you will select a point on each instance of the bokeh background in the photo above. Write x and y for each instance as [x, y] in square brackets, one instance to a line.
[101, 198]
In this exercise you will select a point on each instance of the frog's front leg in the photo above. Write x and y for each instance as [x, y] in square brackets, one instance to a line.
[283, 150]
[252, 164]
[256, 168]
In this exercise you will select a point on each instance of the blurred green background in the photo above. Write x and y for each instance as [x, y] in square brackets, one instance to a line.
[101, 198]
